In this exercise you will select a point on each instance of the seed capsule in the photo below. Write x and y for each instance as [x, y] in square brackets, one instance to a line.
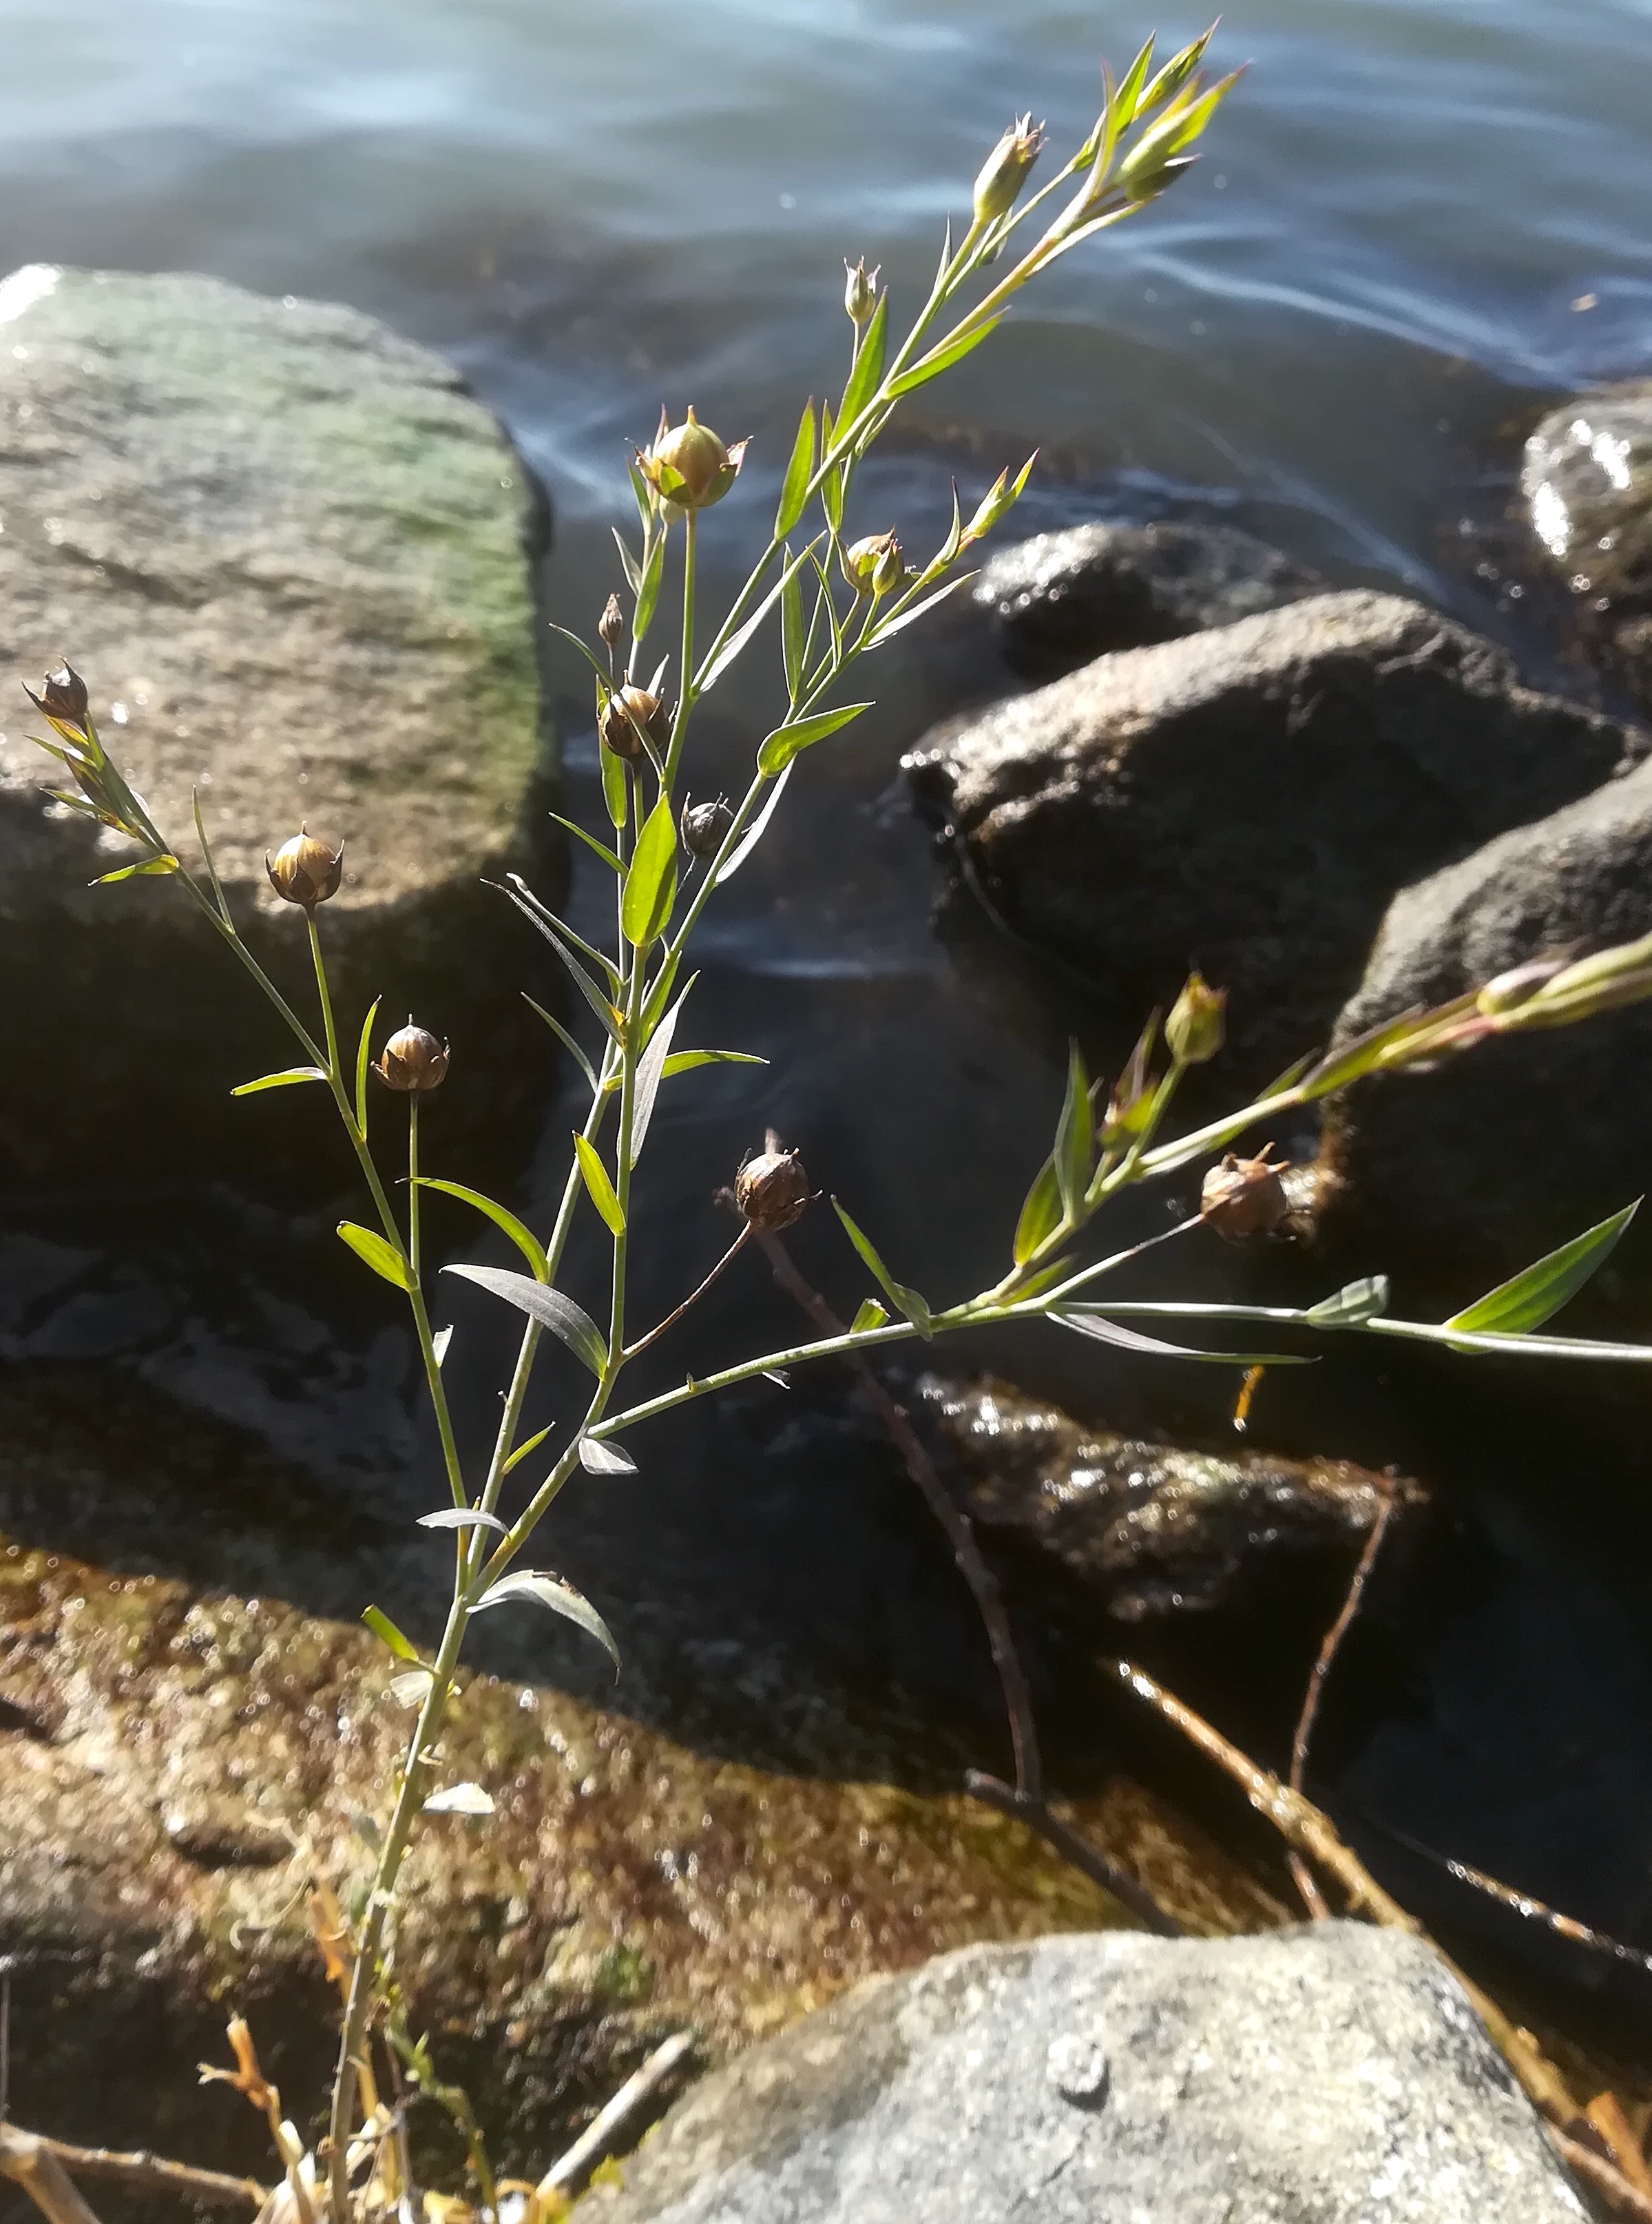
[861, 291]
[705, 826]
[1244, 1197]
[63, 695]
[611, 626]
[1195, 1030]
[874, 566]
[773, 1188]
[623, 713]
[305, 870]
[412, 1061]
[1004, 171]
[688, 466]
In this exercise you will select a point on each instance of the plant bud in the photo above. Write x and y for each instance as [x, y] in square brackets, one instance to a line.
[611, 626]
[624, 712]
[1142, 180]
[1004, 171]
[1195, 1030]
[62, 696]
[412, 1061]
[688, 466]
[773, 1188]
[861, 291]
[874, 566]
[305, 870]
[1244, 1197]
[704, 826]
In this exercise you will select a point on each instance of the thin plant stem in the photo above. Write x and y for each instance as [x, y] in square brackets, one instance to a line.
[693, 1299]
[685, 698]
[1312, 1897]
[598, 2136]
[1074, 1848]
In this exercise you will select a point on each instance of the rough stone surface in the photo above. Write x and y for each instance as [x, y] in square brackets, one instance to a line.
[1149, 1529]
[1335, 2076]
[1060, 598]
[1249, 798]
[292, 559]
[1587, 480]
[1466, 1173]
[177, 1763]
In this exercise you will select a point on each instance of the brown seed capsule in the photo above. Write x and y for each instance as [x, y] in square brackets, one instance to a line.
[63, 695]
[1244, 1197]
[611, 625]
[623, 713]
[705, 826]
[412, 1061]
[305, 870]
[773, 1188]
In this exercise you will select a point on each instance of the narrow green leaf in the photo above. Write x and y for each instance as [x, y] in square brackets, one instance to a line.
[1532, 1298]
[906, 1302]
[601, 1189]
[651, 1071]
[144, 866]
[532, 1446]
[684, 1061]
[645, 506]
[548, 1590]
[734, 648]
[383, 1258]
[786, 742]
[287, 1080]
[798, 472]
[523, 1237]
[931, 366]
[912, 611]
[1125, 100]
[1130, 1339]
[651, 884]
[566, 1040]
[1353, 1306]
[633, 569]
[387, 1633]
[581, 980]
[615, 798]
[598, 848]
[792, 640]
[654, 570]
[1175, 73]
[754, 833]
[870, 1315]
[831, 487]
[1074, 1152]
[600, 959]
[549, 1307]
[363, 1053]
[1040, 1215]
[868, 364]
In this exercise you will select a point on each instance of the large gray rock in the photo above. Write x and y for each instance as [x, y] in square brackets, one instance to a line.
[1461, 1175]
[1587, 480]
[1060, 598]
[1248, 799]
[1335, 2076]
[291, 558]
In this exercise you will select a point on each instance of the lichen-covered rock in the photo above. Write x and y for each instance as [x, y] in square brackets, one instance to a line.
[1248, 799]
[1465, 1174]
[1148, 1529]
[1586, 477]
[1334, 2076]
[291, 558]
[1058, 600]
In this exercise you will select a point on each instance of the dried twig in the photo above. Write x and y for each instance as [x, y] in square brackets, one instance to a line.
[29, 2163]
[594, 2140]
[1073, 1847]
[154, 2174]
[1312, 1897]
[1602, 2177]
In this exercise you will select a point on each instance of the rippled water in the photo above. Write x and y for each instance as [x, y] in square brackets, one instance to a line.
[1416, 219]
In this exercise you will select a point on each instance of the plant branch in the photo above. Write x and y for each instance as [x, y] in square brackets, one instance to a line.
[595, 2139]
[29, 2164]
[150, 2173]
[693, 1298]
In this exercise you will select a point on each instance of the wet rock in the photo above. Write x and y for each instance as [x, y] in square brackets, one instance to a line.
[1148, 1529]
[292, 559]
[206, 1759]
[1461, 1176]
[1060, 598]
[1586, 477]
[1332, 2075]
[1249, 798]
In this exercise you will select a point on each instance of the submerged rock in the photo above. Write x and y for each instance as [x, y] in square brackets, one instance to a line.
[1148, 1529]
[1060, 598]
[291, 558]
[1249, 798]
[1586, 477]
[1331, 2075]
[1462, 1175]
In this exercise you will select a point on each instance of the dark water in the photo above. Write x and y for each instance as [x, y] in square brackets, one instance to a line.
[1417, 219]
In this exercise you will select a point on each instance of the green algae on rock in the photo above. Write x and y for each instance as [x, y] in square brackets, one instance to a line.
[293, 560]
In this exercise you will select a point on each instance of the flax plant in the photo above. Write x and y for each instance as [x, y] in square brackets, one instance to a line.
[827, 603]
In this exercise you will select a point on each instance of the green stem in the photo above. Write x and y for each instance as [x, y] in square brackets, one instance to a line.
[687, 692]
